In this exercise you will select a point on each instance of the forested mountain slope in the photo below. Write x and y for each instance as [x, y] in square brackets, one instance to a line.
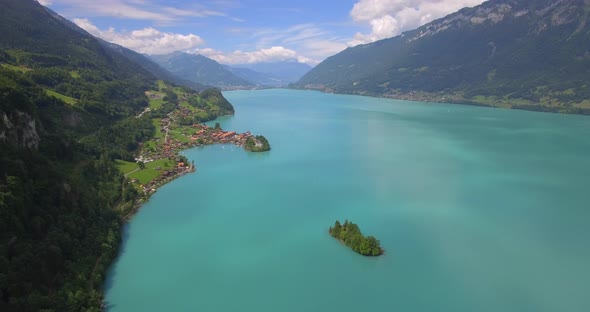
[200, 69]
[152, 67]
[69, 107]
[532, 54]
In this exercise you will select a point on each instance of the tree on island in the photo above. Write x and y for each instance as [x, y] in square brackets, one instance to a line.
[257, 144]
[350, 234]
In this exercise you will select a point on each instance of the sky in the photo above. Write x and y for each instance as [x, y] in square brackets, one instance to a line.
[251, 31]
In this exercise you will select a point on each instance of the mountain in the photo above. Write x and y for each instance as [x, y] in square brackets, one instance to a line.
[152, 67]
[529, 54]
[289, 71]
[59, 230]
[271, 73]
[257, 78]
[69, 108]
[71, 62]
[137, 58]
[200, 69]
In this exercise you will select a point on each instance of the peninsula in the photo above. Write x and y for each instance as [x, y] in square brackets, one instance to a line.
[350, 234]
[178, 115]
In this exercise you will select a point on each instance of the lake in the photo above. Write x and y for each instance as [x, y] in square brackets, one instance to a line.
[478, 209]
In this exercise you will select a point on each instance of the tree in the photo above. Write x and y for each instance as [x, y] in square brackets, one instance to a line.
[351, 235]
[335, 231]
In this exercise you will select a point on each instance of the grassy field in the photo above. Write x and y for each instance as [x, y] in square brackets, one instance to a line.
[159, 135]
[503, 102]
[150, 145]
[186, 105]
[156, 103]
[144, 176]
[125, 166]
[584, 104]
[161, 85]
[158, 139]
[178, 135]
[15, 68]
[150, 172]
[163, 163]
[65, 98]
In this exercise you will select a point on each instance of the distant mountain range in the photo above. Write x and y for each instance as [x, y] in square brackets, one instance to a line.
[274, 74]
[152, 67]
[529, 54]
[201, 69]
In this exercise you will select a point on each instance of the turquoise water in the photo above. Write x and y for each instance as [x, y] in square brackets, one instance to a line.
[478, 210]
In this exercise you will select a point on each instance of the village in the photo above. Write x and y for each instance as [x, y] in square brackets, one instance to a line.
[173, 138]
[179, 117]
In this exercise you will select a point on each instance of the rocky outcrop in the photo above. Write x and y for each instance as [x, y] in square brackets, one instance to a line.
[19, 128]
[548, 14]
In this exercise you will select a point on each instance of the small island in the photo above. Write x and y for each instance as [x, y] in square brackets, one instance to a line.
[350, 234]
[257, 144]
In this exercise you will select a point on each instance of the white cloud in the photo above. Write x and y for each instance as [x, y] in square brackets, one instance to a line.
[381, 28]
[322, 48]
[133, 9]
[152, 41]
[389, 18]
[272, 54]
[44, 2]
[311, 42]
[147, 40]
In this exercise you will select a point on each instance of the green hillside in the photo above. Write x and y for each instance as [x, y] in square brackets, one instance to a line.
[200, 69]
[70, 107]
[529, 54]
[152, 67]
[106, 85]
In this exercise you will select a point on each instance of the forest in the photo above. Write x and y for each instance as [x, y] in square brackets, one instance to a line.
[257, 144]
[68, 107]
[510, 64]
[59, 229]
[350, 234]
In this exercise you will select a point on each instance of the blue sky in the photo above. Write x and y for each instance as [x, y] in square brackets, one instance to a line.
[251, 31]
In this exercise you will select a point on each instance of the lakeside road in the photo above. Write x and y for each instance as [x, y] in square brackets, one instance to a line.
[134, 170]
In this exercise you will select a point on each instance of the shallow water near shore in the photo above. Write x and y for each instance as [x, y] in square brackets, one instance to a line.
[478, 210]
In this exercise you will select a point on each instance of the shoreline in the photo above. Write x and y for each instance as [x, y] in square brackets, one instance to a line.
[147, 195]
[171, 150]
[456, 99]
[344, 243]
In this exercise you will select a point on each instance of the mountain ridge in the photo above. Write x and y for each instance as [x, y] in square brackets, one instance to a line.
[200, 69]
[528, 54]
[272, 74]
[152, 67]
[70, 107]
